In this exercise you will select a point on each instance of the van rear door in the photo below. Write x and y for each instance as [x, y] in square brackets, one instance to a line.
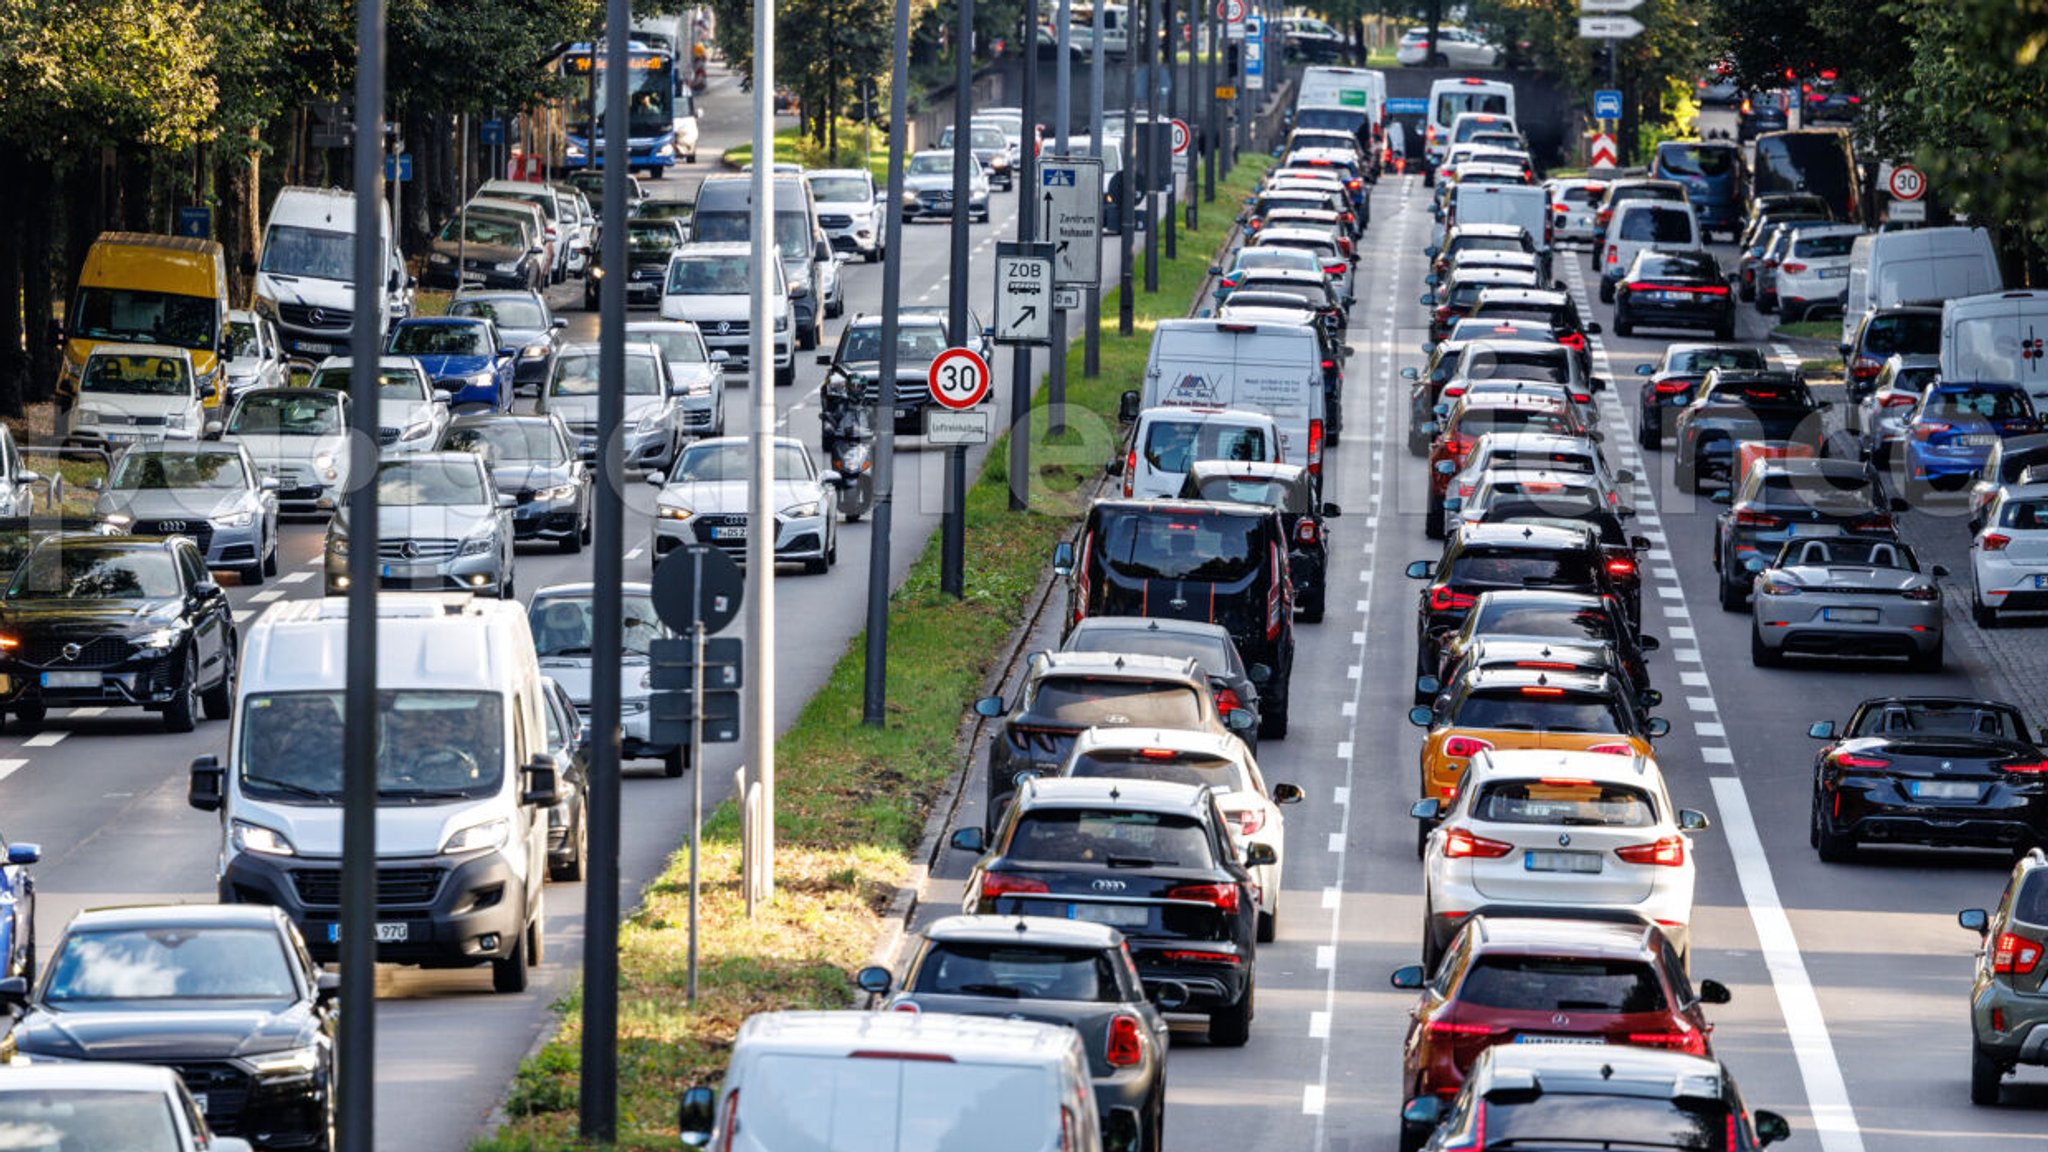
[1997, 337]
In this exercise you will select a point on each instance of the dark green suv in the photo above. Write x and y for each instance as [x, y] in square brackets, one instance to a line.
[2008, 1003]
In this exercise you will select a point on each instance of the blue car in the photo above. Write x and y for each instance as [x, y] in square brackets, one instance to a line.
[1952, 429]
[18, 911]
[462, 355]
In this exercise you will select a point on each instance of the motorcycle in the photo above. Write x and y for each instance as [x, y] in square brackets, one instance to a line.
[848, 438]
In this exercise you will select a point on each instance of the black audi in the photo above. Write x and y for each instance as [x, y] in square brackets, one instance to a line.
[116, 620]
[224, 995]
[1935, 770]
[1674, 290]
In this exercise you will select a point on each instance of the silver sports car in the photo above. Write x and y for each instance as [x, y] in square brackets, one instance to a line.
[1840, 595]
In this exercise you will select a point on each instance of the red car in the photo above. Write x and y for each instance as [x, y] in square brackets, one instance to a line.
[1548, 981]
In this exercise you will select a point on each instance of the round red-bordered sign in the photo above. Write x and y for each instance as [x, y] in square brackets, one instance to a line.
[1906, 183]
[958, 378]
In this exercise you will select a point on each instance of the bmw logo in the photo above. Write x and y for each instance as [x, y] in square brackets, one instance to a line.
[1564, 839]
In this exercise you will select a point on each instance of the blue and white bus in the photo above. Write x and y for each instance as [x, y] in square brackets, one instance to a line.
[650, 113]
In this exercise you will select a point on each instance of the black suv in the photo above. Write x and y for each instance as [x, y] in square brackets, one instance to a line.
[2008, 1013]
[1480, 558]
[1151, 859]
[1673, 379]
[121, 621]
[1734, 406]
[1782, 499]
[854, 368]
[1065, 693]
[1291, 490]
[649, 243]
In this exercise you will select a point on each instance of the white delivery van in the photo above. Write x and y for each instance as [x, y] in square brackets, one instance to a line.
[1167, 441]
[464, 781]
[1451, 98]
[1346, 99]
[1920, 265]
[1998, 336]
[1525, 206]
[904, 1082]
[305, 277]
[1116, 31]
[1275, 368]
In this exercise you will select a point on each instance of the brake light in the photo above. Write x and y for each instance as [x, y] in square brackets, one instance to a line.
[1668, 851]
[1204, 957]
[1454, 389]
[1898, 400]
[1542, 690]
[1443, 599]
[1613, 254]
[1305, 531]
[1354, 185]
[1460, 844]
[1576, 341]
[1329, 364]
[1126, 1041]
[1227, 701]
[1672, 387]
[1315, 446]
[1453, 1028]
[1622, 748]
[1864, 367]
[1930, 429]
[1851, 760]
[1927, 593]
[1249, 821]
[910, 1006]
[1684, 1040]
[995, 885]
[1466, 747]
[1223, 896]
[1794, 267]
[1994, 541]
[1333, 269]
[1157, 754]
[2015, 955]
[1550, 665]
[1752, 519]
[1620, 566]
[1130, 468]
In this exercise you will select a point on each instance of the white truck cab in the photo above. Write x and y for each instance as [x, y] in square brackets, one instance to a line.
[464, 781]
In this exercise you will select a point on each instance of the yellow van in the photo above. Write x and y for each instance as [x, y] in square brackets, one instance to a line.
[138, 288]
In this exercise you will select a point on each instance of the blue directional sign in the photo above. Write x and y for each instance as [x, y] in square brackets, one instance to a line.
[1407, 105]
[197, 222]
[1607, 104]
[491, 133]
[399, 167]
[1052, 177]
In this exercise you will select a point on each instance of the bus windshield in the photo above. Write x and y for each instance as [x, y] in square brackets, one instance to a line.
[650, 92]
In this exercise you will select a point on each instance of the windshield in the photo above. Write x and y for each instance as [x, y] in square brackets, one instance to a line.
[1911, 333]
[562, 625]
[140, 375]
[792, 232]
[915, 344]
[733, 460]
[840, 189]
[432, 744]
[1701, 360]
[650, 92]
[650, 238]
[241, 339]
[440, 340]
[1183, 545]
[286, 415]
[170, 964]
[431, 483]
[1561, 984]
[931, 164]
[1174, 445]
[676, 345]
[1522, 710]
[894, 1104]
[480, 229]
[68, 570]
[710, 275]
[576, 374]
[505, 311]
[42, 1119]
[1085, 701]
[1160, 839]
[508, 441]
[140, 469]
[317, 253]
[1511, 619]
[1555, 800]
[1161, 764]
[1017, 972]
[392, 383]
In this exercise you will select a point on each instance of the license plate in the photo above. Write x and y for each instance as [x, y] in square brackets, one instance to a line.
[735, 532]
[1943, 790]
[1667, 297]
[387, 933]
[1850, 615]
[403, 571]
[199, 1101]
[1114, 915]
[2041, 581]
[1977, 439]
[1560, 862]
[71, 679]
[1833, 273]
[1812, 530]
[1525, 1038]
[905, 413]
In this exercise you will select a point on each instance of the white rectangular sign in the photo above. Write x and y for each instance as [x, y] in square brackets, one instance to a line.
[1609, 5]
[1070, 208]
[1024, 293]
[1609, 27]
[1066, 299]
[942, 426]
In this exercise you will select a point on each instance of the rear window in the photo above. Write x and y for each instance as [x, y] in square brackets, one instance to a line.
[1174, 445]
[1920, 717]
[1523, 569]
[1544, 620]
[1561, 984]
[1530, 710]
[1565, 801]
[1817, 489]
[1573, 462]
[1990, 404]
[1764, 393]
[1487, 243]
[1250, 490]
[1910, 333]
[1657, 226]
[1686, 267]
[1111, 836]
[2024, 515]
[1571, 503]
[1824, 246]
[1018, 973]
[1586, 195]
[1212, 652]
[1694, 161]
[1512, 420]
[1086, 701]
[1519, 365]
[2031, 906]
[1703, 360]
[1162, 764]
[1569, 1120]
[1183, 545]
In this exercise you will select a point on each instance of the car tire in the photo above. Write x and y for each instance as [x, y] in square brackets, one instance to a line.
[1648, 438]
[218, 702]
[589, 530]
[181, 712]
[1791, 313]
[1832, 846]
[1433, 519]
[507, 589]
[1422, 831]
[572, 543]
[1269, 926]
[270, 557]
[572, 870]
[1984, 614]
[675, 761]
[31, 714]
[1273, 718]
[1606, 291]
[1622, 325]
[784, 377]
[1760, 654]
[1230, 1027]
[1986, 1075]
[874, 255]
[1733, 598]
[513, 972]
[1312, 610]
[251, 576]
[1926, 661]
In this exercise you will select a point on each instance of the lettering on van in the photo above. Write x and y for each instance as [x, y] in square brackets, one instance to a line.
[1192, 390]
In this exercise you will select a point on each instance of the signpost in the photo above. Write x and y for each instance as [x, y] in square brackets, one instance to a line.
[1609, 5]
[1906, 183]
[1024, 283]
[1182, 137]
[1070, 191]
[196, 222]
[1255, 53]
[1232, 13]
[1066, 299]
[943, 426]
[958, 378]
[1607, 104]
[1603, 154]
[1609, 27]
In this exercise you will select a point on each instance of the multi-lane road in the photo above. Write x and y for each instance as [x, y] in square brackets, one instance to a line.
[1849, 981]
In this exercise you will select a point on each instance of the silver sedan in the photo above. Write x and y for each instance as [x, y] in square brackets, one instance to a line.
[1846, 595]
[211, 493]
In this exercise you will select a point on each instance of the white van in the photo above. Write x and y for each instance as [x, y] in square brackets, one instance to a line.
[1921, 265]
[1116, 31]
[1663, 225]
[711, 285]
[1167, 441]
[1276, 369]
[464, 780]
[903, 1082]
[1525, 206]
[1998, 336]
[305, 277]
[1451, 98]
[1330, 96]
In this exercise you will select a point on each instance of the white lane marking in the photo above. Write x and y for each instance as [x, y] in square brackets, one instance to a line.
[1717, 755]
[1319, 1025]
[244, 615]
[10, 767]
[1326, 957]
[1355, 671]
[1337, 842]
[1786, 356]
[45, 740]
[1350, 709]
[1670, 592]
[268, 595]
[1343, 749]
[1312, 1098]
[85, 713]
[1701, 703]
[1827, 1095]
[635, 553]
[1681, 633]
[1709, 728]
[1693, 679]
[1332, 896]
[1686, 655]
[1340, 795]
[295, 578]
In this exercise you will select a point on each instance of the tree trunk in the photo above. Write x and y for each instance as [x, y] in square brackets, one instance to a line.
[14, 364]
[41, 286]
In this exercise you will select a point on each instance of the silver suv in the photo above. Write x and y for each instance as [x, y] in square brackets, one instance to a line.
[2008, 1003]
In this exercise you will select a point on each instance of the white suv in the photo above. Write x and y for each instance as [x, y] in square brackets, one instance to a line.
[1587, 831]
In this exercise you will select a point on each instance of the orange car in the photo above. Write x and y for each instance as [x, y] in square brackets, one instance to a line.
[1524, 708]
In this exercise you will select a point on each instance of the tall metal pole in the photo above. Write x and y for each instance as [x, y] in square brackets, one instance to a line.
[356, 1087]
[599, 1089]
[1062, 123]
[760, 675]
[1171, 106]
[462, 186]
[874, 694]
[1027, 231]
[1127, 208]
[1148, 165]
[1091, 350]
[952, 524]
[1210, 105]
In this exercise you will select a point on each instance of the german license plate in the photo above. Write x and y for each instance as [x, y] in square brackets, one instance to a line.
[1114, 915]
[403, 571]
[395, 932]
[1526, 1038]
[1943, 790]
[2041, 581]
[1833, 273]
[1812, 530]
[1978, 439]
[1667, 297]
[731, 532]
[71, 679]
[1850, 615]
[1535, 861]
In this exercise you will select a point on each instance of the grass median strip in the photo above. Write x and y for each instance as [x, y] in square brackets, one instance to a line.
[852, 801]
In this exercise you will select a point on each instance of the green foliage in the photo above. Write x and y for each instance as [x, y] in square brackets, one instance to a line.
[77, 74]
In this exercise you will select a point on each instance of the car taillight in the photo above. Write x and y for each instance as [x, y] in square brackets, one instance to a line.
[1604, 215]
[1792, 266]
[1994, 541]
[2015, 955]
[1898, 400]
[1750, 519]
[1443, 599]
[910, 1006]
[1689, 1040]
[1334, 269]
[1130, 469]
[1930, 429]
[1460, 844]
[1864, 367]
[997, 884]
[1613, 254]
[1460, 445]
[1305, 531]
[1126, 1041]
[1668, 851]
[1576, 341]
[1671, 387]
[1223, 896]
[1620, 748]
[1929, 592]
[1453, 1028]
[1227, 701]
[1203, 957]
[2031, 767]
[1454, 390]
[1329, 364]
[1466, 747]
[1248, 821]
[1621, 566]
[1315, 446]
[1851, 760]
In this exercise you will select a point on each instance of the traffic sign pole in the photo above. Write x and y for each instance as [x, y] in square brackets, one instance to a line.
[1027, 231]
[1063, 127]
[1091, 346]
[952, 527]
[875, 663]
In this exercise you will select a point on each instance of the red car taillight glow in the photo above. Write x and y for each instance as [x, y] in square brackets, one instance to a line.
[1466, 747]
[1223, 896]
[997, 884]
[1460, 844]
[2015, 955]
[1668, 851]
[1126, 1041]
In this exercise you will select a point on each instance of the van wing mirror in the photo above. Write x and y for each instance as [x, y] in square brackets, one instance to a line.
[543, 786]
[695, 1114]
[206, 790]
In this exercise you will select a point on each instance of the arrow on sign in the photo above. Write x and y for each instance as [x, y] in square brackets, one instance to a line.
[1062, 249]
[1609, 27]
[1603, 152]
[1027, 312]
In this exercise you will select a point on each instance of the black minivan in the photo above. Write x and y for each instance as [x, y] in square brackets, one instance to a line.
[1815, 160]
[1187, 560]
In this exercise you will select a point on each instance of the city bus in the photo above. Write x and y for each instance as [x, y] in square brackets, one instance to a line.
[650, 114]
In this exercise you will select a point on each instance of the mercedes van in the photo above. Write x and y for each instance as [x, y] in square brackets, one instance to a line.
[1451, 98]
[1998, 336]
[464, 780]
[306, 274]
[1275, 368]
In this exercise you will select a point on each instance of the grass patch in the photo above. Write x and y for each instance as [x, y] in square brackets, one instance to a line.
[1810, 330]
[789, 145]
[429, 302]
[1823, 370]
[851, 800]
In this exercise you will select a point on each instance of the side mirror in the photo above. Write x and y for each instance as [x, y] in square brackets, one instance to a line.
[1215, 269]
[1899, 504]
[1432, 251]
[1453, 503]
[24, 853]
[874, 981]
[1939, 571]
[989, 706]
[1169, 995]
[1127, 408]
[1646, 369]
[1657, 726]
[1430, 428]
[1257, 855]
[206, 790]
[1288, 794]
[830, 478]
[1649, 643]
[1650, 697]
[1693, 820]
[1332, 511]
[657, 479]
[1430, 279]
[1422, 1114]
[1114, 466]
[543, 784]
[1427, 299]
[326, 986]
[1821, 730]
[822, 252]
[969, 840]
[1446, 468]
[1558, 286]
[557, 324]
[1639, 543]
[1121, 1131]
[1421, 570]
[1428, 685]
[1239, 720]
[1593, 329]
[1975, 919]
[1421, 717]
[1410, 374]
[507, 500]
[1770, 1127]
[1259, 674]
[268, 484]
[1713, 992]
[1624, 476]
[1063, 558]
[1409, 977]
[695, 1116]
[1599, 383]
[718, 357]
[825, 358]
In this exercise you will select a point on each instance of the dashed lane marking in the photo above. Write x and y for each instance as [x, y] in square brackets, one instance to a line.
[295, 578]
[10, 767]
[45, 740]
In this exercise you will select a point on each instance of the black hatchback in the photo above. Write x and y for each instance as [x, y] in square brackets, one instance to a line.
[1291, 490]
[1481, 558]
[1153, 860]
[1674, 290]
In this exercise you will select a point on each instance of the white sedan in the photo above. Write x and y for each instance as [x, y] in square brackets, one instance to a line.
[1590, 831]
[2009, 556]
[1220, 762]
[705, 502]
[1455, 48]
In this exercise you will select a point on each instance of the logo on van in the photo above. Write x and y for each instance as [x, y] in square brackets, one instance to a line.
[2032, 349]
[1192, 389]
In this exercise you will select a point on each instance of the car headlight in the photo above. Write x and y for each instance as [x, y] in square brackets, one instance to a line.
[118, 519]
[480, 545]
[439, 258]
[91, 415]
[673, 512]
[288, 1063]
[1000, 164]
[535, 351]
[697, 388]
[782, 323]
[799, 511]
[910, 199]
[160, 640]
[652, 421]
[507, 266]
[263, 841]
[573, 150]
[266, 308]
[175, 420]
[558, 492]
[665, 150]
[236, 520]
[337, 545]
[479, 837]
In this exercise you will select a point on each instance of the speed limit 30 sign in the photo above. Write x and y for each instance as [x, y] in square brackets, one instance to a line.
[958, 378]
[1906, 183]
